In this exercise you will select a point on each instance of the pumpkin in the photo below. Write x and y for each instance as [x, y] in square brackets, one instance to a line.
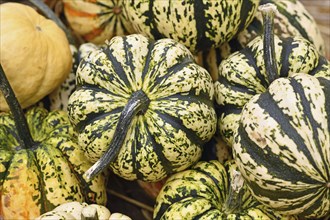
[77, 210]
[41, 163]
[142, 106]
[209, 190]
[34, 62]
[196, 24]
[98, 20]
[292, 19]
[244, 74]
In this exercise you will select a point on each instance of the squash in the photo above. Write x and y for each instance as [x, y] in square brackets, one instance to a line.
[244, 74]
[196, 24]
[98, 20]
[209, 190]
[41, 163]
[292, 19]
[142, 106]
[282, 144]
[34, 62]
[77, 210]
[217, 149]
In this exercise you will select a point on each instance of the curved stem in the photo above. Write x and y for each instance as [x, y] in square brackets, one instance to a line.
[268, 12]
[21, 124]
[137, 103]
[51, 15]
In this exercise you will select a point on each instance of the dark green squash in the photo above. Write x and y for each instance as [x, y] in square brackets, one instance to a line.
[143, 106]
[41, 163]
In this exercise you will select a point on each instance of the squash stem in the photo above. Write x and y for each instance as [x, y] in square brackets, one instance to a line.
[138, 103]
[51, 15]
[21, 124]
[268, 12]
[89, 213]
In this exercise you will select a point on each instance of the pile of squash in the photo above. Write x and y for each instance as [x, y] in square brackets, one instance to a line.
[227, 103]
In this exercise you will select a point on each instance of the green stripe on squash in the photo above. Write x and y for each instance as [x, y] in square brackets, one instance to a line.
[282, 144]
[41, 164]
[145, 104]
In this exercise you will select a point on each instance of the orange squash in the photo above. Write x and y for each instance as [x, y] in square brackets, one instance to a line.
[97, 20]
[34, 53]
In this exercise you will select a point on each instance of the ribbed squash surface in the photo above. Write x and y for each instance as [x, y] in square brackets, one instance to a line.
[168, 134]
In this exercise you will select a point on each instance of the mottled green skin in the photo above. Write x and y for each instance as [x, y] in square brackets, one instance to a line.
[242, 75]
[198, 24]
[209, 190]
[35, 180]
[282, 146]
[291, 19]
[168, 135]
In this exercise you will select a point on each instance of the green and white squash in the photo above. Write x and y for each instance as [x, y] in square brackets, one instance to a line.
[196, 24]
[209, 190]
[143, 106]
[41, 163]
[282, 144]
[77, 211]
[244, 74]
[292, 19]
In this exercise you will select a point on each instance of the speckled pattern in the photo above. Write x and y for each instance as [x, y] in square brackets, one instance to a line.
[282, 145]
[242, 75]
[292, 19]
[209, 190]
[180, 117]
[197, 24]
[37, 179]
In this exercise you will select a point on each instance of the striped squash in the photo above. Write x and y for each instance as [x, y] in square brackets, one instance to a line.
[196, 24]
[243, 74]
[144, 107]
[282, 145]
[41, 164]
[97, 20]
[292, 19]
[209, 190]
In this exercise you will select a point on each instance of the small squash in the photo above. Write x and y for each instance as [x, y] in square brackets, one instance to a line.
[198, 25]
[77, 210]
[98, 20]
[143, 106]
[209, 190]
[246, 73]
[292, 19]
[34, 53]
[41, 164]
